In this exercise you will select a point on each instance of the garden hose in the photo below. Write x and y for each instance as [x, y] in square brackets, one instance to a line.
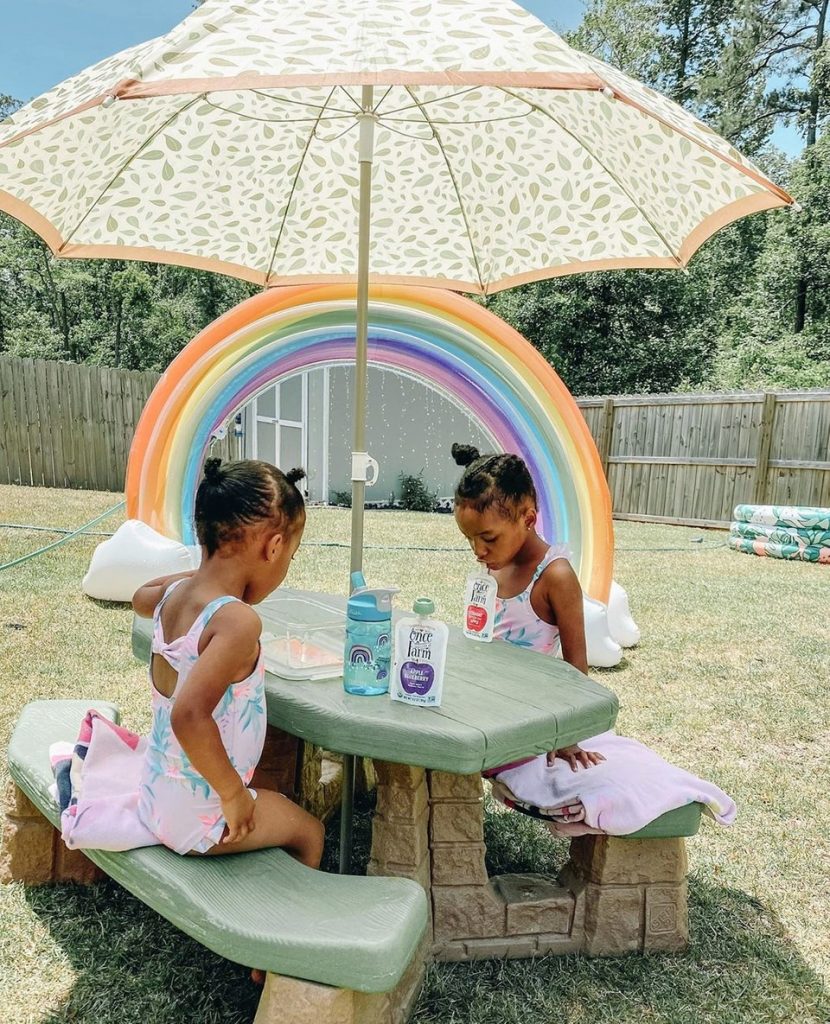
[62, 540]
[69, 534]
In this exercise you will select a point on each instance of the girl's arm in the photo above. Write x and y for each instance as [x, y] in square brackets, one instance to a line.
[565, 598]
[147, 597]
[231, 650]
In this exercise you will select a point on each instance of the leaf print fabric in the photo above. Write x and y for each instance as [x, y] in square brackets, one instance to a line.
[501, 154]
[176, 802]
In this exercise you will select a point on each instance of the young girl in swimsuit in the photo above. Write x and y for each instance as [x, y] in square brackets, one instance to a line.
[539, 602]
[207, 673]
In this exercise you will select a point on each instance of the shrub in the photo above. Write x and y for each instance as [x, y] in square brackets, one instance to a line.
[341, 498]
[415, 495]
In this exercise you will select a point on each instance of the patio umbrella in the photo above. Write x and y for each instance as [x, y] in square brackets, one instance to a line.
[243, 142]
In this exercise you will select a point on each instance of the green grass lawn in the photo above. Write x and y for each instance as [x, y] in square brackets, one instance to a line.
[731, 680]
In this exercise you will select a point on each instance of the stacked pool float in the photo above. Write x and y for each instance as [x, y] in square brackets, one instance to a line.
[782, 531]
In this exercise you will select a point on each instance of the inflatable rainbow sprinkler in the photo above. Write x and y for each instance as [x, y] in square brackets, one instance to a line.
[450, 343]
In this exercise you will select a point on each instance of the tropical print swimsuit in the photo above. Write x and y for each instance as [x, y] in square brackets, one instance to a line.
[176, 803]
[517, 622]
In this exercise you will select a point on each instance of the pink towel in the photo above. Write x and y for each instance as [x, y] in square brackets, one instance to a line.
[621, 795]
[97, 787]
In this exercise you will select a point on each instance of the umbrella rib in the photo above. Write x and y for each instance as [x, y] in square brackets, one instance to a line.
[483, 120]
[457, 190]
[604, 166]
[277, 120]
[423, 103]
[293, 189]
[343, 88]
[297, 103]
[153, 135]
[380, 101]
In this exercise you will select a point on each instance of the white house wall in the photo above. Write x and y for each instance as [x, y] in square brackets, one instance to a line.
[410, 427]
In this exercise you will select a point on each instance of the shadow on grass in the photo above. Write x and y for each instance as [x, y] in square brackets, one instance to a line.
[107, 605]
[610, 670]
[135, 968]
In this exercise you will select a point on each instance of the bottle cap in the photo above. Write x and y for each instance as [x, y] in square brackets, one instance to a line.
[369, 604]
[423, 606]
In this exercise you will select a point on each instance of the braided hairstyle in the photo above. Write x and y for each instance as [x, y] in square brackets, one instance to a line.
[501, 480]
[238, 494]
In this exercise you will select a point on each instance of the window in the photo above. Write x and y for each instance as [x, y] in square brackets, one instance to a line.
[279, 416]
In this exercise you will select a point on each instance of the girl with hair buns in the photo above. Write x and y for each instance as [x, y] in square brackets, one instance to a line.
[539, 606]
[207, 673]
[539, 601]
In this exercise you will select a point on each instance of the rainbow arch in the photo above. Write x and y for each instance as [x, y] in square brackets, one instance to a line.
[449, 342]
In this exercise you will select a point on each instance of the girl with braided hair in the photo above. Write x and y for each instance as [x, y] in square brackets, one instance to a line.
[539, 602]
[207, 673]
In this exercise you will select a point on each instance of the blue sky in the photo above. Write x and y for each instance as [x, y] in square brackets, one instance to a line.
[45, 41]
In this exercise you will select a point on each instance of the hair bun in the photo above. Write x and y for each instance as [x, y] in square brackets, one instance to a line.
[295, 475]
[464, 454]
[213, 471]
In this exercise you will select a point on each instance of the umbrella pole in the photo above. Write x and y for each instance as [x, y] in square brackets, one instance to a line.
[365, 157]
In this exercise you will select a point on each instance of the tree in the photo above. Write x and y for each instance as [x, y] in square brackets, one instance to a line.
[616, 332]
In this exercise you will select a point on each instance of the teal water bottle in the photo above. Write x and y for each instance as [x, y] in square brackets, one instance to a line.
[367, 660]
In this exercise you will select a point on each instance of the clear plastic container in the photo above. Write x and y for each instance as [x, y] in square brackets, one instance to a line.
[302, 635]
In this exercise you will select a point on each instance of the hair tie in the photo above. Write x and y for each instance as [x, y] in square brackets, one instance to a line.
[213, 471]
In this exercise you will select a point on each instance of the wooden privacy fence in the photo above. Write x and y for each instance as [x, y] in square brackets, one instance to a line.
[668, 458]
[68, 424]
[692, 458]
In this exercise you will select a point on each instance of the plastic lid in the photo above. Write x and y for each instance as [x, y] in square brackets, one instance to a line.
[423, 606]
[369, 604]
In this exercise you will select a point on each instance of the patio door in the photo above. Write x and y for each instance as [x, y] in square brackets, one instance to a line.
[280, 415]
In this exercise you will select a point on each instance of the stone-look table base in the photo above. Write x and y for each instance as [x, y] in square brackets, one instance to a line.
[293, 1001]
[613, 896]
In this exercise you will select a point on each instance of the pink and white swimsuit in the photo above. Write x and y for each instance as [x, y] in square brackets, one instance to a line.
[176, 803]
[517, 622]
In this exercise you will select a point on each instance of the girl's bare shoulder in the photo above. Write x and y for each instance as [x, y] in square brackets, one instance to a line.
[560, 580]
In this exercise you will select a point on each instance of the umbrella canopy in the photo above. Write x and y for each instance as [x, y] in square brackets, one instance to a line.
[502, 155]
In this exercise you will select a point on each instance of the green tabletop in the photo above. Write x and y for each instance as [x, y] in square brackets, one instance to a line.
[500, 703]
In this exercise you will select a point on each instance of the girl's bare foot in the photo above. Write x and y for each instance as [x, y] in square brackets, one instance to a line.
[257, 976]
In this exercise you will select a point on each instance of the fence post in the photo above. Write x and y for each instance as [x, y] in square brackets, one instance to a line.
[764, 442]
[606, 432]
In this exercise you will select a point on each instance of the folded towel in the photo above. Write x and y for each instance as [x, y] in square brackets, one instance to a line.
[621, 795]
[97, 783]
[567, 813]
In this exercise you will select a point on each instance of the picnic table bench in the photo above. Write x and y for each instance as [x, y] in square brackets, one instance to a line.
[337, 948]
[352, 950]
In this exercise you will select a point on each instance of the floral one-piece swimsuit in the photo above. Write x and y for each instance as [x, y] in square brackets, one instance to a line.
[176, 803]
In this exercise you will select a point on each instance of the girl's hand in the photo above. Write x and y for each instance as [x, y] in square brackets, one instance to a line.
[239, 815]
[575, 756]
